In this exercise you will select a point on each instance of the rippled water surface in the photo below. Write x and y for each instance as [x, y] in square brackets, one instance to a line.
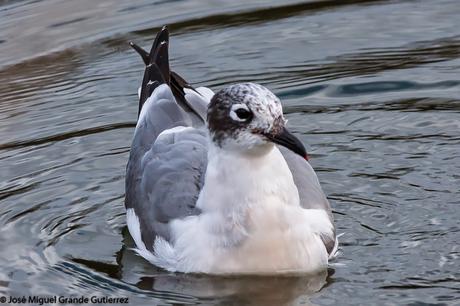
[371, 87]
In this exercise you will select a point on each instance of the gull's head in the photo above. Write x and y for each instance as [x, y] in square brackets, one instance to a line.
[249, 118]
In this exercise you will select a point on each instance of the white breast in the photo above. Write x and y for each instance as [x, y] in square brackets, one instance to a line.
[251, 222]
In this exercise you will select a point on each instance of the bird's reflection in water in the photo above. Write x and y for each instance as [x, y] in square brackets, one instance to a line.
[218, 290]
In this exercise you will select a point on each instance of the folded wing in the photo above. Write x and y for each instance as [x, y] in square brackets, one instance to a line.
[168, 155]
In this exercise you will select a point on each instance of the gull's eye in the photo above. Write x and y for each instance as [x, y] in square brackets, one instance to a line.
[243, 114]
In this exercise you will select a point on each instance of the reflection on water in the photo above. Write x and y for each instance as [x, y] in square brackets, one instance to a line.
[247, 290]
[371, 87]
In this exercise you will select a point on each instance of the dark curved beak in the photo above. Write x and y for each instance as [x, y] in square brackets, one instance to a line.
[286, 139]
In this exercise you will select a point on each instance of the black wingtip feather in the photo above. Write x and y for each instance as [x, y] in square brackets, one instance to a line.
[157, 65]
[157, 72]
[162, 36]
[161, 59]
[149, 57]
[144, 54]
[152, 75]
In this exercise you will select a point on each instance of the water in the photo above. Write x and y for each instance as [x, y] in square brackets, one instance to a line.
[371, 87]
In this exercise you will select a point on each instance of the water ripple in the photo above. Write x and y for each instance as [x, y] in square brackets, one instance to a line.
[66, 135]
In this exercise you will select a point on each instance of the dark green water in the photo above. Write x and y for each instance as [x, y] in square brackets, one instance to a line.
[371, 87]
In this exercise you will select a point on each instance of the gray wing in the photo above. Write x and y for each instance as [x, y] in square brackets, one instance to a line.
[166, 166]
[168, 157]
[310, 192]
[168, 180]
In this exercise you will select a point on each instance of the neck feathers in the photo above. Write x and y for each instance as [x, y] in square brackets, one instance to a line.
[236, 180]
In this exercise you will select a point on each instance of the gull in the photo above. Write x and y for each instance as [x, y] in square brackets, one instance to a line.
[216, 184]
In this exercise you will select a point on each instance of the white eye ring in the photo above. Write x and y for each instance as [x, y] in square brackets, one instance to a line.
[236, 107]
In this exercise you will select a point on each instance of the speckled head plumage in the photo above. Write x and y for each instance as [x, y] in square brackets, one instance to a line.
[247, 116]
